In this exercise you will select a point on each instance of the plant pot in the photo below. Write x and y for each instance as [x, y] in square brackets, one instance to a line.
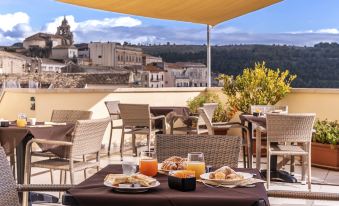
[325, 156]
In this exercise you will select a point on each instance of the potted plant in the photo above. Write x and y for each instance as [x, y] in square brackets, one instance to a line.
[325, 149]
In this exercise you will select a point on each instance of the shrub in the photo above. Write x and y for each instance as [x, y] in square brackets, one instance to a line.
[256, 86]
[220, 114]
[327, 132]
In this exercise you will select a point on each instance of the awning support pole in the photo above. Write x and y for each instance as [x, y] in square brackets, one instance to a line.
[208, 56]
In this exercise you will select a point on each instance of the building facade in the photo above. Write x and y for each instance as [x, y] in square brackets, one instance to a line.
[114, 55]
[148, 59]
[185, 74]
[64, 52]
[12, 63]
[153, 77]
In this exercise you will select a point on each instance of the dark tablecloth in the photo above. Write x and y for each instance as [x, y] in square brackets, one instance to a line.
[92, 192]
[11, 136]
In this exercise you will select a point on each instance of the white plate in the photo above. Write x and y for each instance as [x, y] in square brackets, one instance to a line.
[246, 176]
[131, 189]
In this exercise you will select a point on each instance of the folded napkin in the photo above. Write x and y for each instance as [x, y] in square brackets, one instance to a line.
[243, 183]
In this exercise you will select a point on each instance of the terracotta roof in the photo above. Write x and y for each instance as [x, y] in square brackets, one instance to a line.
[12, 55]
[42, 36]
[152, 68]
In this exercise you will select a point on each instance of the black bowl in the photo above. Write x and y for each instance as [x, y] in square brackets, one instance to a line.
[182, 184]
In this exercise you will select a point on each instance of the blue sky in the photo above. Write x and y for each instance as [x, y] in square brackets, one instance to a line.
[293, 22]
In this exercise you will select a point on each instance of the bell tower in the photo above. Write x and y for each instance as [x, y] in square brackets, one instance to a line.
[64, 30]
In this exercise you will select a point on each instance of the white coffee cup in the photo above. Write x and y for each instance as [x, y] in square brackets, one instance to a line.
[33, 121]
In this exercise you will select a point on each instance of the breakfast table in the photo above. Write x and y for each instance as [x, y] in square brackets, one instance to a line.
[15, 138]
[275, 172]
[92, 191]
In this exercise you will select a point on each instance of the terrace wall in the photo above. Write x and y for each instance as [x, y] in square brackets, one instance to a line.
[324, 102]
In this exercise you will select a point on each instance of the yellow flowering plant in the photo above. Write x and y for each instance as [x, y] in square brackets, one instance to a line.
[256, 86]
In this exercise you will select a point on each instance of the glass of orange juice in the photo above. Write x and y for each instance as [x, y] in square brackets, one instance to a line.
[22, 120]
[196, 163]
[148, 164]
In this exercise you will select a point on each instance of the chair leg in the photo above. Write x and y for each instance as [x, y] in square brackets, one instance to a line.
[85, 171]
[244, 156]
[309, 167]
[268, 173]
[149, 141]
[110, 139]
[52, 176]
[98, 160]
[122, 143]
[134, 146]
[258, 150]
[71, 172]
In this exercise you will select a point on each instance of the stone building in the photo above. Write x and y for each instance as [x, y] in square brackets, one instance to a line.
[64, 52]
[42, 40]
[153, 77]
[12, 63]
[114, 54]
[149, 59]
[64, 30]
[42, 44]
[185, 74]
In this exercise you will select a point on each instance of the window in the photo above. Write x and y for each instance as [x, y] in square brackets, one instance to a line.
[162, 77]
[99, 56]
[201, 84]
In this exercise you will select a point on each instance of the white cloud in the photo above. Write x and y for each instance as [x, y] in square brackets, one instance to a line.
[92, 24]
[10, 20]
[14, 27]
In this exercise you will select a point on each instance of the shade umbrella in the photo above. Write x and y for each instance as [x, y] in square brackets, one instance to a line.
[209, 12]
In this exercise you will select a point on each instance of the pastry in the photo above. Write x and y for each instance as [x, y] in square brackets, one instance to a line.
[174, 163]
[225, 173]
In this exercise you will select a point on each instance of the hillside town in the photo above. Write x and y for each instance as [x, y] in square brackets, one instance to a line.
[46, 60]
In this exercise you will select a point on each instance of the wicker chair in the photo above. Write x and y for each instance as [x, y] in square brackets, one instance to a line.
[70, 116]
[264, 109]
[209, 108]
[211, 127]
[86, 139]
[114, 113]
[137, 119]
[63, 116]
[290, 128]
[9, 190]
[218, 150]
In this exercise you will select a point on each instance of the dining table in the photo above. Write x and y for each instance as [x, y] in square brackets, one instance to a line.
[252, 121]
[172, 114]
[14, 140]
[92, 191]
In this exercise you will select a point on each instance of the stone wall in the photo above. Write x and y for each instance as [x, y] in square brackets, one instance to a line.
[68, 80]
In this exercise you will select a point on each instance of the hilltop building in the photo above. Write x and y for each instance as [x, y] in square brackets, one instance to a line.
[148, 59]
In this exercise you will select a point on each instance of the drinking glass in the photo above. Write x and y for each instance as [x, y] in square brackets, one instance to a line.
[129, 168]
[22, 120]
[148, 164]
[196, 163]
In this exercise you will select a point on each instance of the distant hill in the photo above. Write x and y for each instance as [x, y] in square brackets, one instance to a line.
[316, 66]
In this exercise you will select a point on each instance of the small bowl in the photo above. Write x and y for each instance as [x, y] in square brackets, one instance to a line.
[182, 184]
